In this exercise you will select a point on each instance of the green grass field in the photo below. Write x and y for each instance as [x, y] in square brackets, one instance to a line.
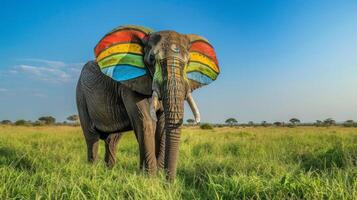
[224, 163]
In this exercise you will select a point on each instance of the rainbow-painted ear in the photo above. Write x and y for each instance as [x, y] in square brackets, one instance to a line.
[120, 55]
[202, 67]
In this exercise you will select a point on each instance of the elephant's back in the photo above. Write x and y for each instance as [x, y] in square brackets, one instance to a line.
[92, 77]
[102, 96]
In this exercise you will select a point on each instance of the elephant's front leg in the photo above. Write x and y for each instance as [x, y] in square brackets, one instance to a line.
[144, 127]
[160, 140]
[146, 130]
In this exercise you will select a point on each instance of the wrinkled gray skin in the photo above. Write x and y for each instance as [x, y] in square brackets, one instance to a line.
[107, 108]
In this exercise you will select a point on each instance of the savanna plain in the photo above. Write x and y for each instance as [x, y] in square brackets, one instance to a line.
[49, 162]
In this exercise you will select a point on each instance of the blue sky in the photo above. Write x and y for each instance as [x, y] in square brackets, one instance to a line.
[278, 59]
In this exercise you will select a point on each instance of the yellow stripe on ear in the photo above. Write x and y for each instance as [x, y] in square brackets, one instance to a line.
[194, 56]
[121, 48]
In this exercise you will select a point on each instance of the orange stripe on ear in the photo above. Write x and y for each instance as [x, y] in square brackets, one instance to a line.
[121, 36]
[205, 49]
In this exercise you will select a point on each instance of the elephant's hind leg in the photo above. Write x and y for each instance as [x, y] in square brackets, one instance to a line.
[90, 134]
[111, 143]
[92, 141]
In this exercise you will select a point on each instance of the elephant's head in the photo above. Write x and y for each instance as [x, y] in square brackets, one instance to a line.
[166, 65]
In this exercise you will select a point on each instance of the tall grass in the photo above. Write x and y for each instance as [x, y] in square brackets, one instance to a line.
[223, 163]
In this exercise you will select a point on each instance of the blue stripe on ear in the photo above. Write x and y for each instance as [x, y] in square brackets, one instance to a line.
[123, 72]
[198, 77]
[108, 71]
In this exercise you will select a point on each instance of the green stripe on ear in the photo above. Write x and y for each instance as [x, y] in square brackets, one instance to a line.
[122, 59]
[195, 66]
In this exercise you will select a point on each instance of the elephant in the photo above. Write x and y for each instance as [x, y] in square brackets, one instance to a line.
[139, 81]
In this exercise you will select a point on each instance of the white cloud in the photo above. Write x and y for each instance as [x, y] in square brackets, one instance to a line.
[11, 71]
[45, 73]
[47, 70]
[3, 90]
[37, 94]
[51, 63]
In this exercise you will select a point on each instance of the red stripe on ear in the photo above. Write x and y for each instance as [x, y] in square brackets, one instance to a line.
[121, 36]
[205, 49]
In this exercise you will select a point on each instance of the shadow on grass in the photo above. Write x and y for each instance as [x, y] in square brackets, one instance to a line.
[206, 149]
[17, 160]
[202, 149]
[326, 159]
[197, 176]
[231, 149]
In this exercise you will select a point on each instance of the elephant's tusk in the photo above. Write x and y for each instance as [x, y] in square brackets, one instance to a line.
[193, 106]
[153, 105]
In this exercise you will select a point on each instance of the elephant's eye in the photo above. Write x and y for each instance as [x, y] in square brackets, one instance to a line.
[152, 58]
[175, 48]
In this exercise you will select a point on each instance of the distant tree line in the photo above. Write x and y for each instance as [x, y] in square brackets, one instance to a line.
[73, 120]
[293, 122]
[42, 121]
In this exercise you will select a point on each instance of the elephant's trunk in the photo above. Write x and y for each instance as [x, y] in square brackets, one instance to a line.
[173, 97]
